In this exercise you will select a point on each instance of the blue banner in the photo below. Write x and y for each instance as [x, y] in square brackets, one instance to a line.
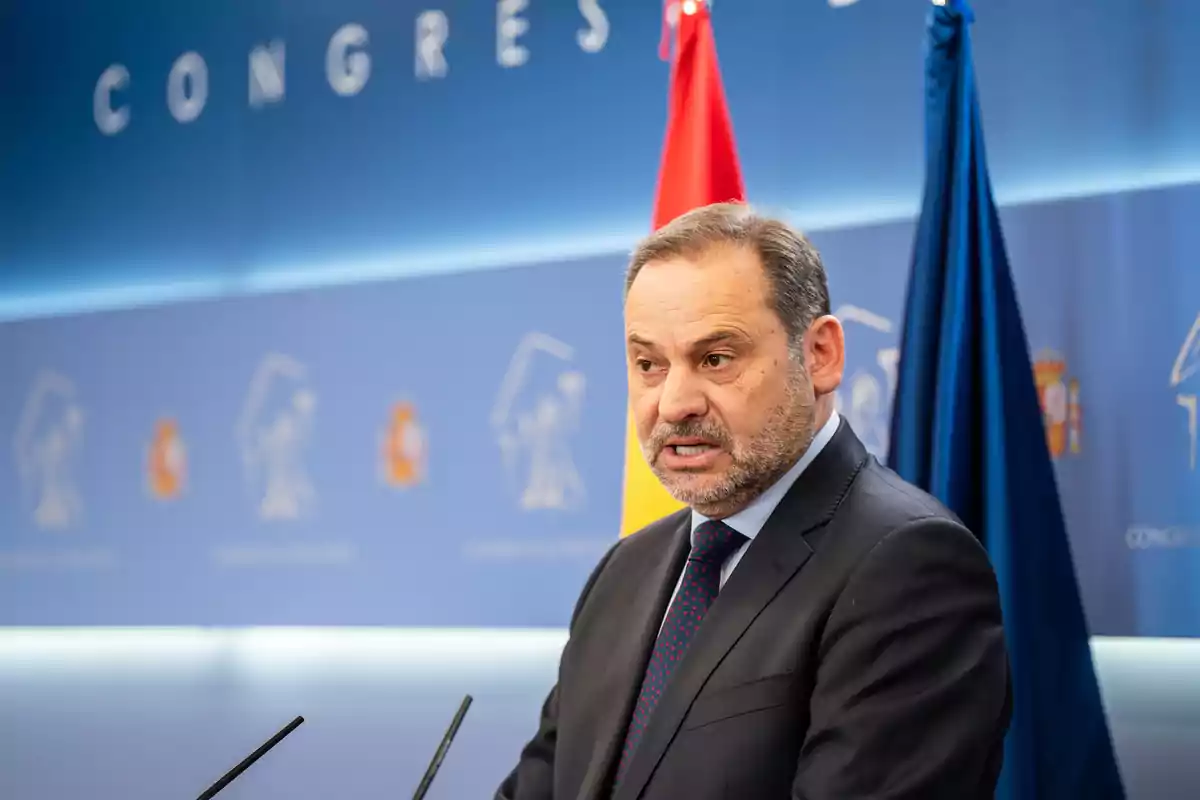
[447, 450]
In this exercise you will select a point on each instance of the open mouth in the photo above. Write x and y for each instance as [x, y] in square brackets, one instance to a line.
[689, 453]
[690, 449]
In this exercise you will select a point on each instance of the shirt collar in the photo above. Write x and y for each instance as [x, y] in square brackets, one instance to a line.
[750, 520]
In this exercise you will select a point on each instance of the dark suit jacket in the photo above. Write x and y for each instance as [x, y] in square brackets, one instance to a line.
[855, 652]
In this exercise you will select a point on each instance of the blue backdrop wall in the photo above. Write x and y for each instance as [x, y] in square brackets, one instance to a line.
[404, 450]
[312, 317]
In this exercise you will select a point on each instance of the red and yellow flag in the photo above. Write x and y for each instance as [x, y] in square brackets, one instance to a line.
[699, 167]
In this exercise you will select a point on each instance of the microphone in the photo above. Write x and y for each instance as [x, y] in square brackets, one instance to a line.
[442, 748]
[228, 777]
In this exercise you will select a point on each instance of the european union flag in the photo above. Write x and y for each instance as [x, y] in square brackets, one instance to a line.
[967, 427]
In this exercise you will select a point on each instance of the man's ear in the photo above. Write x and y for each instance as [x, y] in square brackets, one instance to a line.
[825, 354]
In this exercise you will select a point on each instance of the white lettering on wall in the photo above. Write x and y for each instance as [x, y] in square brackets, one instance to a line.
[109, 120]
[348, 62]
[593, 38]
[266, 74]
[187, 87]
[433, 28]
[348, 71]
[508, 27]
[1189, 404]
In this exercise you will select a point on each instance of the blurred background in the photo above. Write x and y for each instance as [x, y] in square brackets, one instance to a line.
[312, 389]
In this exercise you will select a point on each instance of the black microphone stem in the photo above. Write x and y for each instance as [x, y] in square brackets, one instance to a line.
[441, 751]
[250, 759]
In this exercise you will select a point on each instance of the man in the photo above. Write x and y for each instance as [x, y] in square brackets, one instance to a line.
[812, 626]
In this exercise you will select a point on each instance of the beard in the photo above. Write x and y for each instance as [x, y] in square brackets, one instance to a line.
[757, 463]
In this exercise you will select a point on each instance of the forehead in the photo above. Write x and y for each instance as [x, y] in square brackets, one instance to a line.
[723, 285]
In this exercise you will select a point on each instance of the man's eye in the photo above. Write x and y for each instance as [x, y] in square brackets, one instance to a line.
[716, 360]
[645, 365]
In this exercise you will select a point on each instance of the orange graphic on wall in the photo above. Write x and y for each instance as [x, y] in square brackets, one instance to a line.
[404, 447]
[166, 462]
[1062, 412]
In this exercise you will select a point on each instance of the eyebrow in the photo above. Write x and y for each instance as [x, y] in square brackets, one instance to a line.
[718, 337]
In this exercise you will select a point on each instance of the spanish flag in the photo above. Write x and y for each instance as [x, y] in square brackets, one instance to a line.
[699, 167]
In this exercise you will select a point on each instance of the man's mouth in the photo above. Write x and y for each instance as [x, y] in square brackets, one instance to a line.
[690, 449]
[689, 453]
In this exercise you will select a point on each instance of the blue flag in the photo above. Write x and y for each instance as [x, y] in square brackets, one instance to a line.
[967, 427]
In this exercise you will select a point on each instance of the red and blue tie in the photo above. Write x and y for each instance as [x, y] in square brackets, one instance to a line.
[712, 543]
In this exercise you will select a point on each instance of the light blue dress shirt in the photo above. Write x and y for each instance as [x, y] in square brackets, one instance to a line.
[750, 520]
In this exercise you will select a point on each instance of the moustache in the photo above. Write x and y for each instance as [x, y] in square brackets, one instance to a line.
[698, 429]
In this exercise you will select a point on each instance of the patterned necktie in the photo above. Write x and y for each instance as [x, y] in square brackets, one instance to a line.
[713, 543]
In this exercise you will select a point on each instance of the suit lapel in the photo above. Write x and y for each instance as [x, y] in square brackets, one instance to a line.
[777, 553]
[647, 604]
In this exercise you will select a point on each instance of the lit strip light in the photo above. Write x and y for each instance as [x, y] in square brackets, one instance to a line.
[1166, 654]
[561, 246]
[331, 272]
[877, 211]
[89, 648]
[278, 650]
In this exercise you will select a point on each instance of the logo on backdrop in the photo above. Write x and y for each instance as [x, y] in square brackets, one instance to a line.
[403, 447]
[1184, 383]
[537, 412]
[865, 397]
[47, 446]
[273, 433]
[1184, 376]
[166, 461]
[1058, 395]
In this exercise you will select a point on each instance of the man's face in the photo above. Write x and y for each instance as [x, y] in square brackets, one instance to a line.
[722, 408]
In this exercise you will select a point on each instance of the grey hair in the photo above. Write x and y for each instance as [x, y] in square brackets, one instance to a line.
[799, 289]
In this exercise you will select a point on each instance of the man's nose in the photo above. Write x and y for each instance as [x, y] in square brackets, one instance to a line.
[682, 397]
